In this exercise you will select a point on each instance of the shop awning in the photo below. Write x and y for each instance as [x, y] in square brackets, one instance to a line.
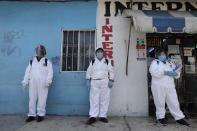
[163, 21]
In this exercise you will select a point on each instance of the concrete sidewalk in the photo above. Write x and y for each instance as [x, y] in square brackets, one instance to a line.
[67, 123]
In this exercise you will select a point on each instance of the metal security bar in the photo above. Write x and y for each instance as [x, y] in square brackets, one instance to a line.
[78, 47]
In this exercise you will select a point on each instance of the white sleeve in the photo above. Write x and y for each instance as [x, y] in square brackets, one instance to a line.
[178, 71]
[27, 74]
[155, 70]
[179, 74]
[50, 72]
[89, 71]
[111, 71]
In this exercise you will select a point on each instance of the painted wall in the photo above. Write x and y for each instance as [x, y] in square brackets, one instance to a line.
[22, 26]
[130, 93]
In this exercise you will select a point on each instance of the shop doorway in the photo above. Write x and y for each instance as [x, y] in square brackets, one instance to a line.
[182, 49]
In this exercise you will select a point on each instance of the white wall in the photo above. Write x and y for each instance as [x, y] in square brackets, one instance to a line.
[130, 93]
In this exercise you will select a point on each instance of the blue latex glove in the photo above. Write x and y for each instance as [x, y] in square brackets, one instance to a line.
[110, 84]
[166, 73]
[170, 73]
[88, 84]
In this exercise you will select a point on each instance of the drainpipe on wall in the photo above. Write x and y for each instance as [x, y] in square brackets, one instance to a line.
[128, 46]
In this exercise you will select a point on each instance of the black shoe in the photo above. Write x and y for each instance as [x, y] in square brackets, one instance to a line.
[40, 118]
[182, 122]
[30, 118]
[91, 120]
[163, 122]
[103, 119]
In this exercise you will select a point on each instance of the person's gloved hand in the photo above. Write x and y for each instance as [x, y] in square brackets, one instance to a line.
[173, 73]
[110, 84]
[88, 84]
[166, 73]
[24, 84]
[47, 85]
[170, 73]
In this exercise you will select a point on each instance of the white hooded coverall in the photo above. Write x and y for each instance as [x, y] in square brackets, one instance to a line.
[99, 73]
[38, 75]
[163, 90]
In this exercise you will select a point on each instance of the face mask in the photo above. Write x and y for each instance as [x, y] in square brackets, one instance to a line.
[162, 57]
[99, 55]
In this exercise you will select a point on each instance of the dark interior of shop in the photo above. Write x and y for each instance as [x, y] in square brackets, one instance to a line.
[182, 49]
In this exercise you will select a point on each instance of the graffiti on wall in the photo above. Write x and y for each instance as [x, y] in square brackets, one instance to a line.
[7, 42]
[56, 60]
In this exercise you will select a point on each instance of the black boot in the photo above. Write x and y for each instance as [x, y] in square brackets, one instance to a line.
[30, 118]
[91, 120]
[40, 118]
[163, 122]
[182, 122]
[103, 119]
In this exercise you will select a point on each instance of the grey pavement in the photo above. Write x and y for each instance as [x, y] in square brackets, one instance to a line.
[77, 123]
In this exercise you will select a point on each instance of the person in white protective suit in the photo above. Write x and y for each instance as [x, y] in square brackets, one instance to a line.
[39, 75]
[100, 77]
[163, 88]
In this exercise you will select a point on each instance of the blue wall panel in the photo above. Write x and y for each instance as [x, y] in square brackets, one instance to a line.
[22, 26]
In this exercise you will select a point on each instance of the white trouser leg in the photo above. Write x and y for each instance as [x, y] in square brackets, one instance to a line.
[94, 99]
[42, 98]
[104, 98]
[159, 95]
[32, 99]
[173, 104]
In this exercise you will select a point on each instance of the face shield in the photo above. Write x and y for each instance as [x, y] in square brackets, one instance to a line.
[40, 51]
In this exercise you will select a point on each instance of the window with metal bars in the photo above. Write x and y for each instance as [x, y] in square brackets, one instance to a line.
[78, 49]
